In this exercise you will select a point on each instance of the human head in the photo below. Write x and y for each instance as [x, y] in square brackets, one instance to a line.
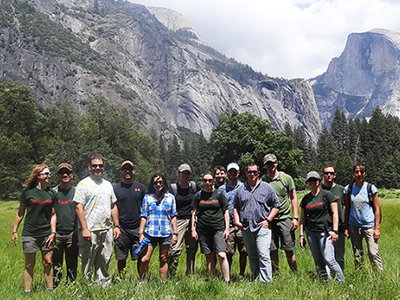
[184, 172]
[359, 172]
[233, 171]
[127, 170]
[313, 177]
[35, 174]
[208, 182]
[219, 175]
[96, 166]
[329, 175]
[152, 187]
[252, 173]
[270, 163]
[65, 173]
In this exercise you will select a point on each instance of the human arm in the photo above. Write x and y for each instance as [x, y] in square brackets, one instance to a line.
[377, 233]
[50, 241]
[295, 210]
[141, 228]
[265, 223]
[194, 220]
[335, 221]
[226, 219]
[18, 218]
[237, 219]
[80, 213]
[115, 218]
[346, 214]
[302, 240]
[174, 224]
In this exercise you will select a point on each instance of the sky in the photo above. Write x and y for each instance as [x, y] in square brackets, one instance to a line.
[283, 38]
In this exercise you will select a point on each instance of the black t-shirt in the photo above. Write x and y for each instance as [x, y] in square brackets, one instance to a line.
[129, 203]
[184, 198]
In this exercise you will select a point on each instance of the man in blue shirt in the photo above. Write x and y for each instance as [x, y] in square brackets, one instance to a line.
[255, 206]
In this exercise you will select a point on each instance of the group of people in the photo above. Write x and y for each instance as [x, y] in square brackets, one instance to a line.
[257, 217]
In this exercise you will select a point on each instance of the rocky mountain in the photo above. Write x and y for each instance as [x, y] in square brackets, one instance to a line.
[149, 63]
[366, 75]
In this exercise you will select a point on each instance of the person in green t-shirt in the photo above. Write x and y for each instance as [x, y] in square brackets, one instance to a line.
[39, 231]
[283, 225]
[210, 225]
[67, 227]
[321, 235]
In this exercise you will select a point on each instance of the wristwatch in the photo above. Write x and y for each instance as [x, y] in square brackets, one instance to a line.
[336, 231]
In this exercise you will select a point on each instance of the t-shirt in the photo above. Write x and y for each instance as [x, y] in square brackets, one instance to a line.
[337, 191]
[129, 203]
[96, 197]
[184, 198]
[361, 213]
[210, 216]
[39, 204]
[282, 190]
[67, 220]
[316, 210]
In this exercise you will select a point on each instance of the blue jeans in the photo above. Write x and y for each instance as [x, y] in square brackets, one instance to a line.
[258, 245]
[323, 253]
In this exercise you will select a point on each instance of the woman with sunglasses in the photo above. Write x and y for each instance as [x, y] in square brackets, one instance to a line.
[321, 235]
[210, 225]
[39, 232]
[158, 224]
[363, 217]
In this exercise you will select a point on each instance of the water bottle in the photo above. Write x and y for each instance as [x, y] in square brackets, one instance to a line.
[139, 250]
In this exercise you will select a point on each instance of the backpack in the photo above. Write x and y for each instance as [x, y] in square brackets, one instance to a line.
[370, 198]
[174, 188]
[329, 222]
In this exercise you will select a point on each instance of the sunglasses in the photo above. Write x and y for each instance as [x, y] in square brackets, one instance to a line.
[208, 180]
[158, 182]
[361, 172]
[312, 180]
[127, 170]
[45, 173]
[232, 171]
[94, 166]
[252, 172]
[68, 172]
[329, 173]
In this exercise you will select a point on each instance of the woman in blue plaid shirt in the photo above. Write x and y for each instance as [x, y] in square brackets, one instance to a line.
[159, 218]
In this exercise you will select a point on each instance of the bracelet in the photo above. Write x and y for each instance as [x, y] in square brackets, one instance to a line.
[269, 222]
[336, 231]
[140, 233]
[175, 233]
[117, 226]
[14, 232]
[53, 232]
[301, 235]
[296, 218]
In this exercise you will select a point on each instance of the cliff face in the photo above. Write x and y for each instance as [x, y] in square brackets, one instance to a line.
[366, 75]
[163, 76]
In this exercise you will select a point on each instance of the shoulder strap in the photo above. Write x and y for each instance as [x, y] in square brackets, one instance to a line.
[370, 195]
[174, 189]
[283, 181]
[325, 198]
[193, 186]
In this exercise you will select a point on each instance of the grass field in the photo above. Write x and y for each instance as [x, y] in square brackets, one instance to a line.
[362, 284]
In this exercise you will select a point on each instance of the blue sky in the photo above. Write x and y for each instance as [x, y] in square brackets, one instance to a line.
[283, 38]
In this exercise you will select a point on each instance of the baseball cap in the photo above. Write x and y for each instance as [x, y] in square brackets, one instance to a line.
[127, 162]
[269, 157]
[184, 167]
[313, 174]
[232, 166]
[64, 166]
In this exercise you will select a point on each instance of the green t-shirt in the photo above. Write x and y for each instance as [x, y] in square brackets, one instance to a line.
[337, 191]
[283, 184]
[210, 216]
[39, 204]
[316, 212]
[66, 215]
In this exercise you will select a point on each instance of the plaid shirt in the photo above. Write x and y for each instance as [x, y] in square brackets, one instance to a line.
[158, 216]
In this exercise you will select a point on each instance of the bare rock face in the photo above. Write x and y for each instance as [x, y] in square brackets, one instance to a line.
[163, 76]
[366, 75]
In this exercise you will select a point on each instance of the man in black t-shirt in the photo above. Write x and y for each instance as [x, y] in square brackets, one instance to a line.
[130, 196]
[67, 227]
[183, 192]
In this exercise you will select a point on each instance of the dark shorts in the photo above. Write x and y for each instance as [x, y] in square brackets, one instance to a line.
[126, 243]
[281, 231]
[212, 242]
[235, 239]
[32, 244]
[154, 241]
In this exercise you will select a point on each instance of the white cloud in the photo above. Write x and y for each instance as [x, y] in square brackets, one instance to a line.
[284, 38]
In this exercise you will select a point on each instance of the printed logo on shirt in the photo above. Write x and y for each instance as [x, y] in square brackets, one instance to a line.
[209, 202]
[65, 202]
[315, 205]
[41, 202]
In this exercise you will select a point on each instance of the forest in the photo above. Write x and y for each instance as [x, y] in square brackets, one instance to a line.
[30, 135]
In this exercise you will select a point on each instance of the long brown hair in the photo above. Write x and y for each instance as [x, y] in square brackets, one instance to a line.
[31, 182]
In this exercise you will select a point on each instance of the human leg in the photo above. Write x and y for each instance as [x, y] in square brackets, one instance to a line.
[242, 252]
[58, 256]
[71, 256]
[191, 250]
[87, 252]
[30, 260]
[356, 242]
[105, 239]
[251, 248]
[223, 263]
[339, 250]
[144, 265]
[263, 242]
[176, 249]
[315, 241]
[231, 245]
[373, 249]
[163, 257]
[291, 259]
[211, 263]
[328, 252]
[47, 267]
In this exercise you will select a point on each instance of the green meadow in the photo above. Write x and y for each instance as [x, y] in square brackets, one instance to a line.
[361, 284]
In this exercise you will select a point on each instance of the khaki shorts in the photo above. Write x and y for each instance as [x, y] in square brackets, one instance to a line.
[281, 231]
[32, 244]
[235, 239]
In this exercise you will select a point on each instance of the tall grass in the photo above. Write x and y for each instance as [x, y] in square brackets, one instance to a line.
[362, 284]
